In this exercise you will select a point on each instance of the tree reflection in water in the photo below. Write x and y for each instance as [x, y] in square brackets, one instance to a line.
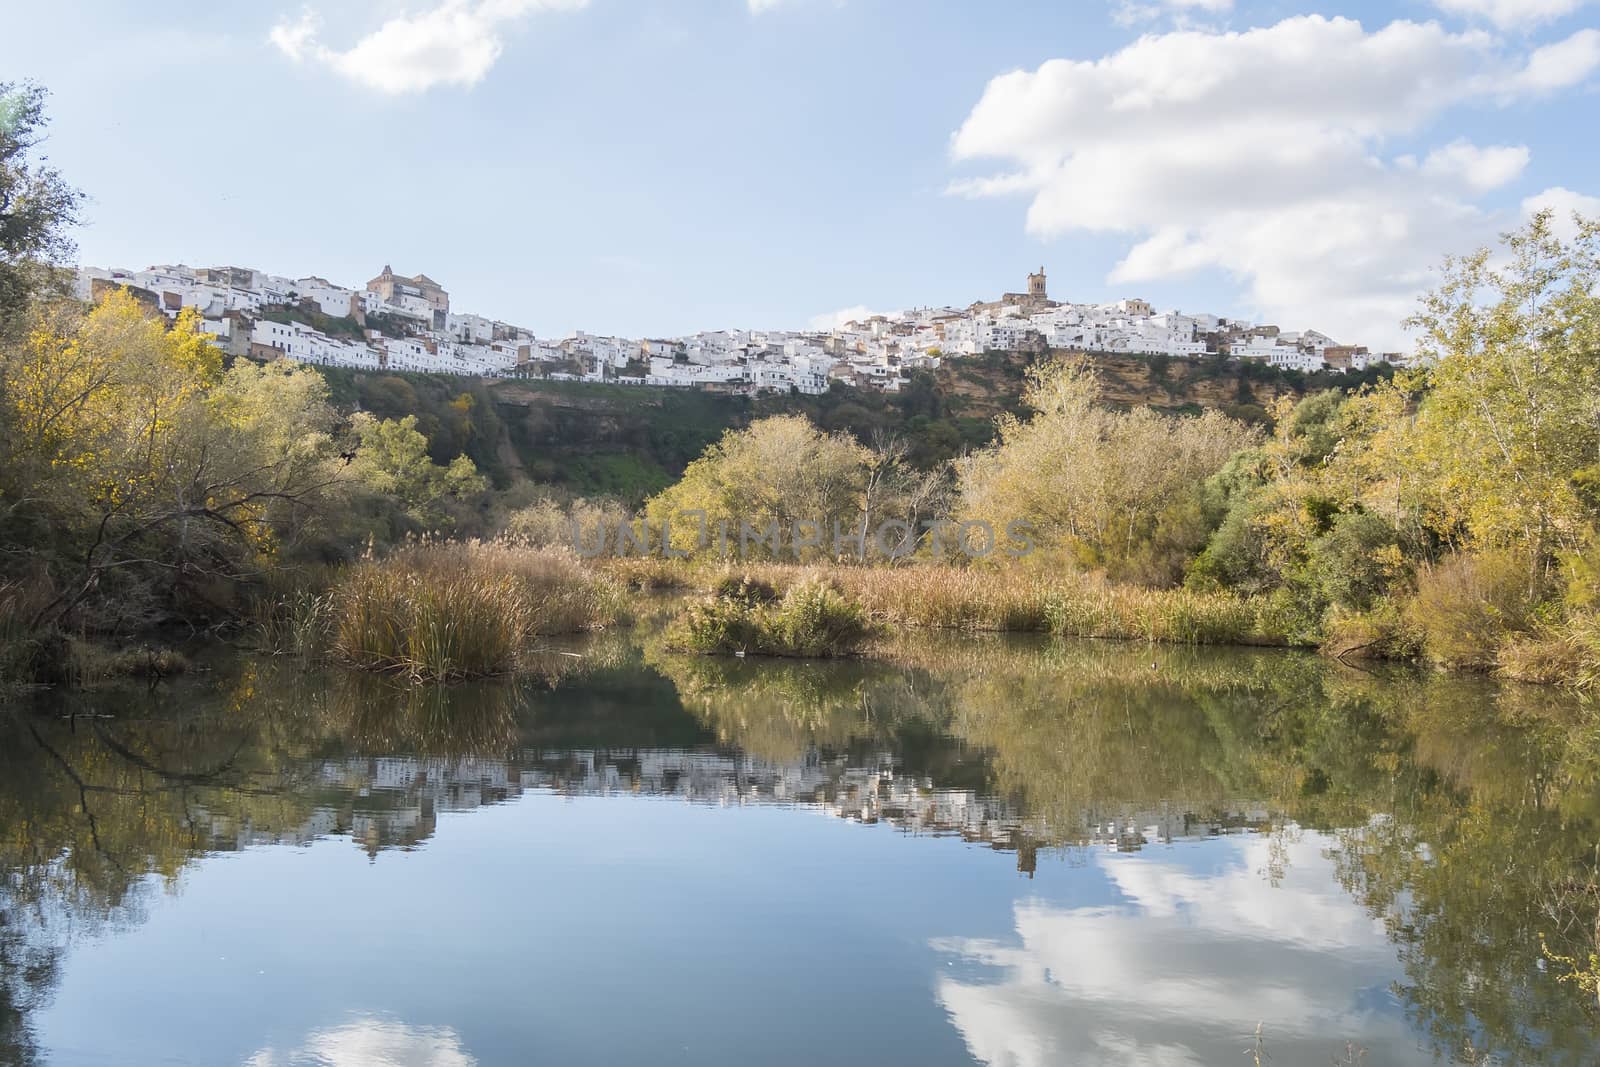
[1461, 815]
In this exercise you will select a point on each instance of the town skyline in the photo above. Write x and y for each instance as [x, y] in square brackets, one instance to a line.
[576, 163]
[400, 322]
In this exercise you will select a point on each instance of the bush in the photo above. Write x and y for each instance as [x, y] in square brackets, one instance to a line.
[812, 621]
[1467, 605]
[745, 589]
[1356, 561]
[1381, 632]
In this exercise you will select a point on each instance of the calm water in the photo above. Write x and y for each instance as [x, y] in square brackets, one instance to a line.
[996, 852]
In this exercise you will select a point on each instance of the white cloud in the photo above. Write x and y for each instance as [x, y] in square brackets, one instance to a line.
[1132, 12]
[298, 38]
[455, 43]
[832, 320]
[1563, 204]
[1510, 13]
[1560, 65]
[1478, 168]
[1247, 162]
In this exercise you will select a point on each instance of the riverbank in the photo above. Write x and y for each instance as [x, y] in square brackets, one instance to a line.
[1466, 631]
[439, 611]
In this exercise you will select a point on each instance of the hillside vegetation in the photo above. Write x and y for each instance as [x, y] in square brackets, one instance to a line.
[631, 442]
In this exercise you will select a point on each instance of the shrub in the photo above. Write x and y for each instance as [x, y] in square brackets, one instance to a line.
[648, 573]
[815, 620]
[745, 589]
[1355, 562]
[812, 621]
[1381, 632]
[1467, 605]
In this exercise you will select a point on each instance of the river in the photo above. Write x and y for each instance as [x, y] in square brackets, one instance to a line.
[997, 851]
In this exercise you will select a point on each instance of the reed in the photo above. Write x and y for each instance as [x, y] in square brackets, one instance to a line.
[1016, 600]
[446, 610]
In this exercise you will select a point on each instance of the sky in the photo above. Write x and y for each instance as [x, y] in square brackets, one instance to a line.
[658, 167]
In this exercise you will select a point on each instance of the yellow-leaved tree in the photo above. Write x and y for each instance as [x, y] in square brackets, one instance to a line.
[1111, 489]
[780, 470]
[141, 467]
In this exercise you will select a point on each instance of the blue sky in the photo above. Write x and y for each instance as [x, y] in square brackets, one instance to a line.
[653, 167]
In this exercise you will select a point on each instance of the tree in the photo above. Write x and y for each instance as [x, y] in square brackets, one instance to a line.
[780, 470]
[392, 460]
[1505, 446]
[133, 466]
[1114, 489]
[36, 204]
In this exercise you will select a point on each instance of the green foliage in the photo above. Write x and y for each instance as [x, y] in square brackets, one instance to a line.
[37, 206]
[391, 459]
[813, 620]
[143, 476]
[456, 416]
[1466, 605]
[1114, 490]
[1355, 562]
[780, 471]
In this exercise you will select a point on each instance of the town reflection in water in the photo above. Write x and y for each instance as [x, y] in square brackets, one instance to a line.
[1196, 842]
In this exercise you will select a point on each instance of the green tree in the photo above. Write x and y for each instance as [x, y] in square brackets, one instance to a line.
[1506, 437]
[36, 205]
[392, 460]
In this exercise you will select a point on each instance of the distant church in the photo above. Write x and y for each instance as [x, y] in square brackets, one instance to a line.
[1037, 298]
[391, 286]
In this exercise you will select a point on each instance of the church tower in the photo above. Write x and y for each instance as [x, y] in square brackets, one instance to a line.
[1036, 290]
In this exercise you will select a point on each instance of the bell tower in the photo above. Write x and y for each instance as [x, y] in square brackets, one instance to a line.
[1036, 289]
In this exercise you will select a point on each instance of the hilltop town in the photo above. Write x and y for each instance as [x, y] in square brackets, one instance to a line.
[400, 323]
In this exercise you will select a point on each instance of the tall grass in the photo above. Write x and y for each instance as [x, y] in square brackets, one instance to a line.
[27, 654]
[1022, 600]
[463, 609]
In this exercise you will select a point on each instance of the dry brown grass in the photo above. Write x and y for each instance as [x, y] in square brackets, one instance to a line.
[1014, 599]
[463, 609]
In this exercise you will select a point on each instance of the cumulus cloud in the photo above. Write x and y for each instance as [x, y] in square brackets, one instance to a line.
[454, 43]
[1510, 13]
[832, 320]
[1243, 152]
[1560, 65]
[1563, 204]
[1480, 169]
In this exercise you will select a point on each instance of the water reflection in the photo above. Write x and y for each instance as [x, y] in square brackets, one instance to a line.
[1253, 837]
[1141, 980]
[371, 1042]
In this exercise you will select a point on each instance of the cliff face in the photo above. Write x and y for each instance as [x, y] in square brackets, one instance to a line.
[630, 441]
[994, 383]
